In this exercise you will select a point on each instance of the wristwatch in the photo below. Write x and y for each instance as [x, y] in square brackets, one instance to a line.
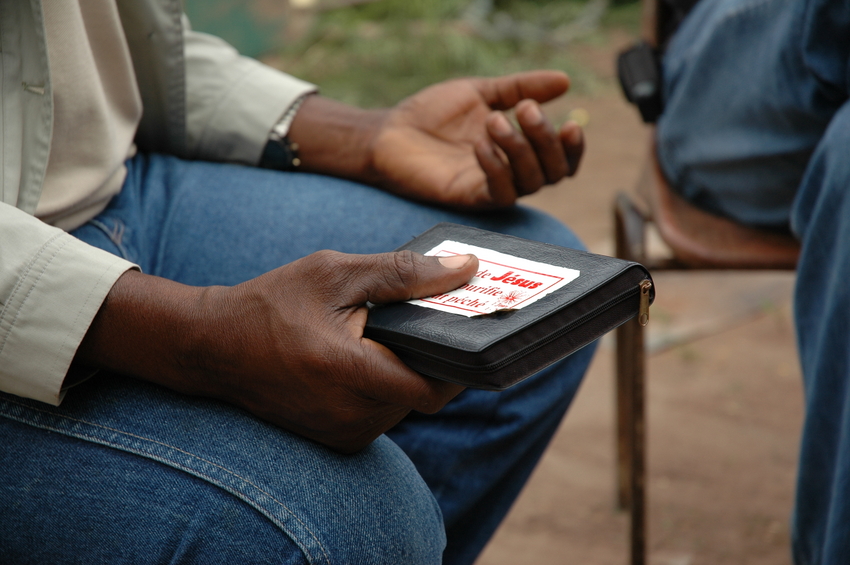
[280, 153]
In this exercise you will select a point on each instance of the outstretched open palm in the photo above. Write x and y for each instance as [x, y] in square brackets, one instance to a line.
[451, 143]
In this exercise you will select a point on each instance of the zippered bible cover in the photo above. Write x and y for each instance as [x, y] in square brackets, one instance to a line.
[497, 350]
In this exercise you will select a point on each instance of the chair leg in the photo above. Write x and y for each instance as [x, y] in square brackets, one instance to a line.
[625, 391]
[630, 370]
[631, 434]
[638, 446]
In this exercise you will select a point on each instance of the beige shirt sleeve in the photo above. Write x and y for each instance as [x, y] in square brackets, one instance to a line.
[232, 101]
[51, 287]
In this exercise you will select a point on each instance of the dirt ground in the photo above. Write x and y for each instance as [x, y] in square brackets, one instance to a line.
[724, 397]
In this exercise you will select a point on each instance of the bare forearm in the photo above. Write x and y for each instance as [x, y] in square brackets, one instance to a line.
[146, 327]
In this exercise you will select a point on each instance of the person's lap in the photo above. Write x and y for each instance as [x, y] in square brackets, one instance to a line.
[126, 472]
[221, 224]
[758, 128]
[750, 87]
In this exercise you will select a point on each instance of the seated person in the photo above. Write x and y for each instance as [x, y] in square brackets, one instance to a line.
[756, 127]
[236, 413]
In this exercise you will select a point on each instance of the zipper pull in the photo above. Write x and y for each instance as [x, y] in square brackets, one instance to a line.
[643, 312]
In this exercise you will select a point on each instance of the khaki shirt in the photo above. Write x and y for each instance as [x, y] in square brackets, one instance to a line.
[201, 100]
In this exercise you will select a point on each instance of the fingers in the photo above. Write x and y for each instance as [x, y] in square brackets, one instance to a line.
[547, 145]
[393, 277]
[502, 93]
[531, 157]
[572, 140]
[385, 398]
[524, 164]
[500, 178]
[392, 382]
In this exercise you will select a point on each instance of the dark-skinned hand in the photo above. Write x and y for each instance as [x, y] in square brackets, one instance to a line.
[449, 144]
[288, 345]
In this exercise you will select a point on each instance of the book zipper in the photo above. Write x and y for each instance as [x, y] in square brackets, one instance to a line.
[643, 313]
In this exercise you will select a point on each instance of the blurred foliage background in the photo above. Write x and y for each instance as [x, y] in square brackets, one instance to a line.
[375, 52]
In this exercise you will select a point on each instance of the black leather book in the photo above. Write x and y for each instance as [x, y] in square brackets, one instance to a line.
[530, 305]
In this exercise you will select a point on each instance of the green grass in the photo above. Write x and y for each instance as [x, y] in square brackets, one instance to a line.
[377, 53]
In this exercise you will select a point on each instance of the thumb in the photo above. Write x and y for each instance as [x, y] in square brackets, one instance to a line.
[403, 275]
[503, 93]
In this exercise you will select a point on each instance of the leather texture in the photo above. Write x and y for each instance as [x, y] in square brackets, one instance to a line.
[501, 349]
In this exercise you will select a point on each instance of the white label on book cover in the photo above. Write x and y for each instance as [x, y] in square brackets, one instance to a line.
[503, 282]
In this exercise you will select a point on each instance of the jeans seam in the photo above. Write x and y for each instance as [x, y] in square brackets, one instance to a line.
[162, 459]
[158, 252]
[117, 241]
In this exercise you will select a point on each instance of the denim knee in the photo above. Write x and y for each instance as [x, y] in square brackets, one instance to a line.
[380, 511]
[134, 438]
[72, 501]
[743, 109]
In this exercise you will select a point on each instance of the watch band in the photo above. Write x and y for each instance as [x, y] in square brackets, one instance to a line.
[280, 153]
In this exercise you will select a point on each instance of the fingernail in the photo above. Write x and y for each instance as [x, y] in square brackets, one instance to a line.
[500, 124]
[533, 115]
[454, 261]
[574, 135]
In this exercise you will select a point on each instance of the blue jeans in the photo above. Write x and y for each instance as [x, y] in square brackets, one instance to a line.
[757, 127]
[124, 471]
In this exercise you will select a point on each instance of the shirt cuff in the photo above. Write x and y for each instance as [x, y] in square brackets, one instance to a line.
[56, 295]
